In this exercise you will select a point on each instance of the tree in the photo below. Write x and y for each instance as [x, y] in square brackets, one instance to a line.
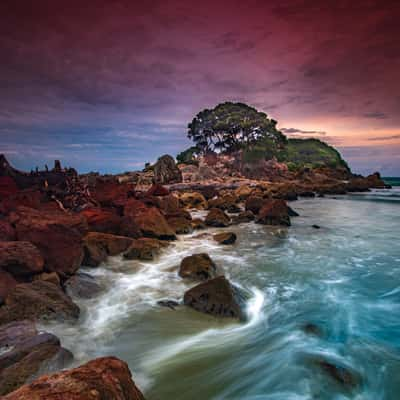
[231, 126]
[188, 156]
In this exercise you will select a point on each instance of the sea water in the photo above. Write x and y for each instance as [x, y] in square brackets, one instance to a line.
[342, 279]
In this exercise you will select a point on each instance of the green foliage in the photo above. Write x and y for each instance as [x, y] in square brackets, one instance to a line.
[311, 153]
[232, 126]
[188, 156]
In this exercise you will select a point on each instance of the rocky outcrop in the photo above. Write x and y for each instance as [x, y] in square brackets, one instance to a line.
[166, 171]
[57, 235]
[21, 259]
[110, 193]
[217, 297]
[180, 225]
[27, 352]
[217, 218]
[274, 212]
[38, 300]
[97, 246]
[83, 286]
[254, 204]
[225, 238]
[193, 200]
[144, 249]
[102, 220]
[105, 378]
[198, 266]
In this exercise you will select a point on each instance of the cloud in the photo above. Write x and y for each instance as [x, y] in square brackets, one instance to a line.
[296, 131]
[379, 138]
[375, 115]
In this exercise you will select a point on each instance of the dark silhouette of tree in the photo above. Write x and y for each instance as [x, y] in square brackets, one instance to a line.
[231, 126]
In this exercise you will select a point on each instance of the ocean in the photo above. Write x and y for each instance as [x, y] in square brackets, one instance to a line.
[342, 280]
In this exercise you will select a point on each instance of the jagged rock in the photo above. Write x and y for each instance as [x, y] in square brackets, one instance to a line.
[254, 204]
[198, 266]
[217, 297]
[153, 224]
[82, 285]
[143, 249]
[7, 285]
[38, 300]
[166, 171]
[225, 238]
[97, 246]
[245, 216]
[180, 225]
[21, 259]
[193, 200]
[7, 232]
[106, 378]
[217, 218]
[57, 235]
[274, 212]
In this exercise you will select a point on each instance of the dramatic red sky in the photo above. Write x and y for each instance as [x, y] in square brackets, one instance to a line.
[109, 85]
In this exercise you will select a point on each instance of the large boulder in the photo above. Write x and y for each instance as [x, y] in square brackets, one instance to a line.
[193, 200]
[217, 218]
[198, 266]
[144, 249]
[102, 220]
[217, 297]
[97, 246]
[21, 259]
[105, 378]
[57, 235]
[166, 171]
[153, 224]
[274, 212]
[225, 238]
[38, 300]
[180, 225]
[111, 193]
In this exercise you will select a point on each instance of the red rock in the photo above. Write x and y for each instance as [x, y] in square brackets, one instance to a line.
[58, 236]
[101, 220]
[217, 218]
[8, 187]
[157, 190]
[109, 192]
[198, 266]
[105, 378]
[170, 204]
[7, 232]
[21, 259]
[24, 198]
[180, 225]
[7, 285]
[274, 212]
[134, 207]
[153, 224]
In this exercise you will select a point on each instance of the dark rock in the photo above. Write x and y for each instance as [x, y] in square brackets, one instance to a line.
[225, 238]
[292, 213]
[14, 333]
[244, 216]
[168, 303]
[143, 249]
[312, 329]
[217, 297]
[157, 190]
[51, 277]
[217, 218]
[180, 225]
[274, 212]
[166, 171]
[7, 285]
[83, 286]
[7, 232]
[254, 204]
[198, 266]
[316, 226]
[198, 223]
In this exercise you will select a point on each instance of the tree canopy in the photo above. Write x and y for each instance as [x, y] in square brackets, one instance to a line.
[231, 126]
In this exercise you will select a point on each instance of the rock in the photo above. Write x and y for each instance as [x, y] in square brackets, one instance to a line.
[83, 286]
[153, 224]
[170, 204]
[216, 296]
[344, 376]
[225, 238]
[101, 220]
[226, 203]
[312, 329]
[21, 259]
[217, 218]
[57, 235]
[172, 304]
[243, 192]
[292, 213]
[31, 355]
[7, 285]
[274, 212]
[129, 228]
[193, 200]
[111, 193]
[134, 207]
[180, 225]
[38, 300]
[14, 333]
[51, 277]
[375, 181]
[245, 216]
[198, 223]
[254, 204]
[166, 171]
[8, 187]
[98, 246]
[316, 226]
[157, 190]
[143, 249]
[106, 378]
[7, 232]
[198, 266]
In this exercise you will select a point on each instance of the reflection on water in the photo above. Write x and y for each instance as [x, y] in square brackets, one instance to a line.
[343, 278]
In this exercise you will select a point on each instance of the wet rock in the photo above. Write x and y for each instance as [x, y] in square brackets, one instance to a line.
[157, 190]
[57, 235]
[153, 224]
[166, 171]
[198, 223]
[198, 266]
[7, 285]
[51, 277]
[29, 357]
[21, 259]
[143, 249]
[193, 200]
[14, 333]
[225, 238]
[316, 226]
[83, 286]
[292, 213]
[38, 300]
[180, 225]
[217, 218]
[346, 377]
[105, 378]
[245, 216]
[217, 297]
[254, 204]
[7, 232]
[274, 212]
[172, 304]
[312, 329]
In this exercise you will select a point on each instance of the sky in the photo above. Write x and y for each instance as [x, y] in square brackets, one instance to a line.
[109, 85]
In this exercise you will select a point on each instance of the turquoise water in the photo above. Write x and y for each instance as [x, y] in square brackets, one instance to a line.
[344, 278]
[392, 181]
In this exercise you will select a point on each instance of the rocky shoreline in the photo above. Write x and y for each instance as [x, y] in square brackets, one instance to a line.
[54, 221]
